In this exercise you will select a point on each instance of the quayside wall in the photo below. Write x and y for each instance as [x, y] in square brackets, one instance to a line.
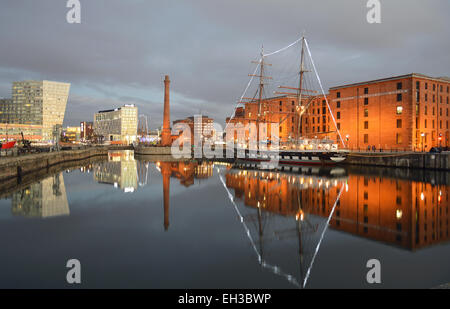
[430, 161]
[17, 167]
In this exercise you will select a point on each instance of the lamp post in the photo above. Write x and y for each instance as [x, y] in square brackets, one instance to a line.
[423, 136]
[347, 138]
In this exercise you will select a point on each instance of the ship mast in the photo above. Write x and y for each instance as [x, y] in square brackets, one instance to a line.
[261, 77]
[299, 91]
[299, 94]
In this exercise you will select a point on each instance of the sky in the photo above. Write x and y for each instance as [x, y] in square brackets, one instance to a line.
[122, 49]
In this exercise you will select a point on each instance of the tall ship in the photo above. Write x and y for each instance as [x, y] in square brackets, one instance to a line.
[301, 147]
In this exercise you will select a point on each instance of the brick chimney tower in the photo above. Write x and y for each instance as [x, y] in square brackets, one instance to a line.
[166, 134]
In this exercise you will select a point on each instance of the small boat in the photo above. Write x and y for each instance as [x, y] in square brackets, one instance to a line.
[8, 145]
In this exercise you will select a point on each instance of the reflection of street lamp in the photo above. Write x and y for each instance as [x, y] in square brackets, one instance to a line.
[440, 139]
[423, 136]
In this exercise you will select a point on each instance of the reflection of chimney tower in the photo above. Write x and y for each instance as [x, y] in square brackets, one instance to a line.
[166, 172]
[165, 135]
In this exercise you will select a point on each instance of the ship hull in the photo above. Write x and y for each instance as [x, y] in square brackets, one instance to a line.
[295, 158]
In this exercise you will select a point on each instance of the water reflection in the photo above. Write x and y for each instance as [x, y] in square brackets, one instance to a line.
[281, 211]
[119, 170]
[409, 214]
[186, 172]
[43, 199]
[282, 216]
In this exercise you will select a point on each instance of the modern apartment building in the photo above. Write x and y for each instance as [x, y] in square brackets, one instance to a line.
[117, 125]
[35, 109]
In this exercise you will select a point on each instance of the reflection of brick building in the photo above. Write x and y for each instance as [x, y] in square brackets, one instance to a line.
[413, 215]
[403, 112]
[187, 171]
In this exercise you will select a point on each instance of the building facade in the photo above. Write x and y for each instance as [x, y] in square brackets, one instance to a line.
[408, 112]
[86, 130]
[71, 134]
[200, 125]
[35, 109]
[117, 125]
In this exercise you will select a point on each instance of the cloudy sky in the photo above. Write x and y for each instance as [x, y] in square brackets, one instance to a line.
[122, 49]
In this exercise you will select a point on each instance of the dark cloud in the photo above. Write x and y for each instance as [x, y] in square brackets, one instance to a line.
[122, 49]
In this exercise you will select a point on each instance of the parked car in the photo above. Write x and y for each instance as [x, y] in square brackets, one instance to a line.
[436, 150]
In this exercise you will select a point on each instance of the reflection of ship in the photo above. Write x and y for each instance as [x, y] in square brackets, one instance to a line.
[282, 222]
[120, 170]
[404, 213]
[45, 198]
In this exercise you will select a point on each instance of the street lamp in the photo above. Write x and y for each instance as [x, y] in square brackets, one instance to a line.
[347, 138]
[423, 136]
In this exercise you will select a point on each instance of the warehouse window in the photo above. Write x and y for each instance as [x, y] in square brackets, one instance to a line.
[338, 115]
[366, 138]
[400, 110]
[399, 86]
[338, 103]
[399, 97]
[399, 138]
[366, 90]
[399, 123]
[366, 101]
[338, 94]
[366, 112]
[366, 124]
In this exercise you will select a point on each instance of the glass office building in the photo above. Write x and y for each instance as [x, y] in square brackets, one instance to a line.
[35, 109]
[117, 125]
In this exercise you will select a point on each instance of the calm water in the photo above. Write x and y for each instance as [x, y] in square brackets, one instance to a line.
[143, 224]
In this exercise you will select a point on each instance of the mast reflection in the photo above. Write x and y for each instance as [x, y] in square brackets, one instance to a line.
[404, 213]
[409, 214]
